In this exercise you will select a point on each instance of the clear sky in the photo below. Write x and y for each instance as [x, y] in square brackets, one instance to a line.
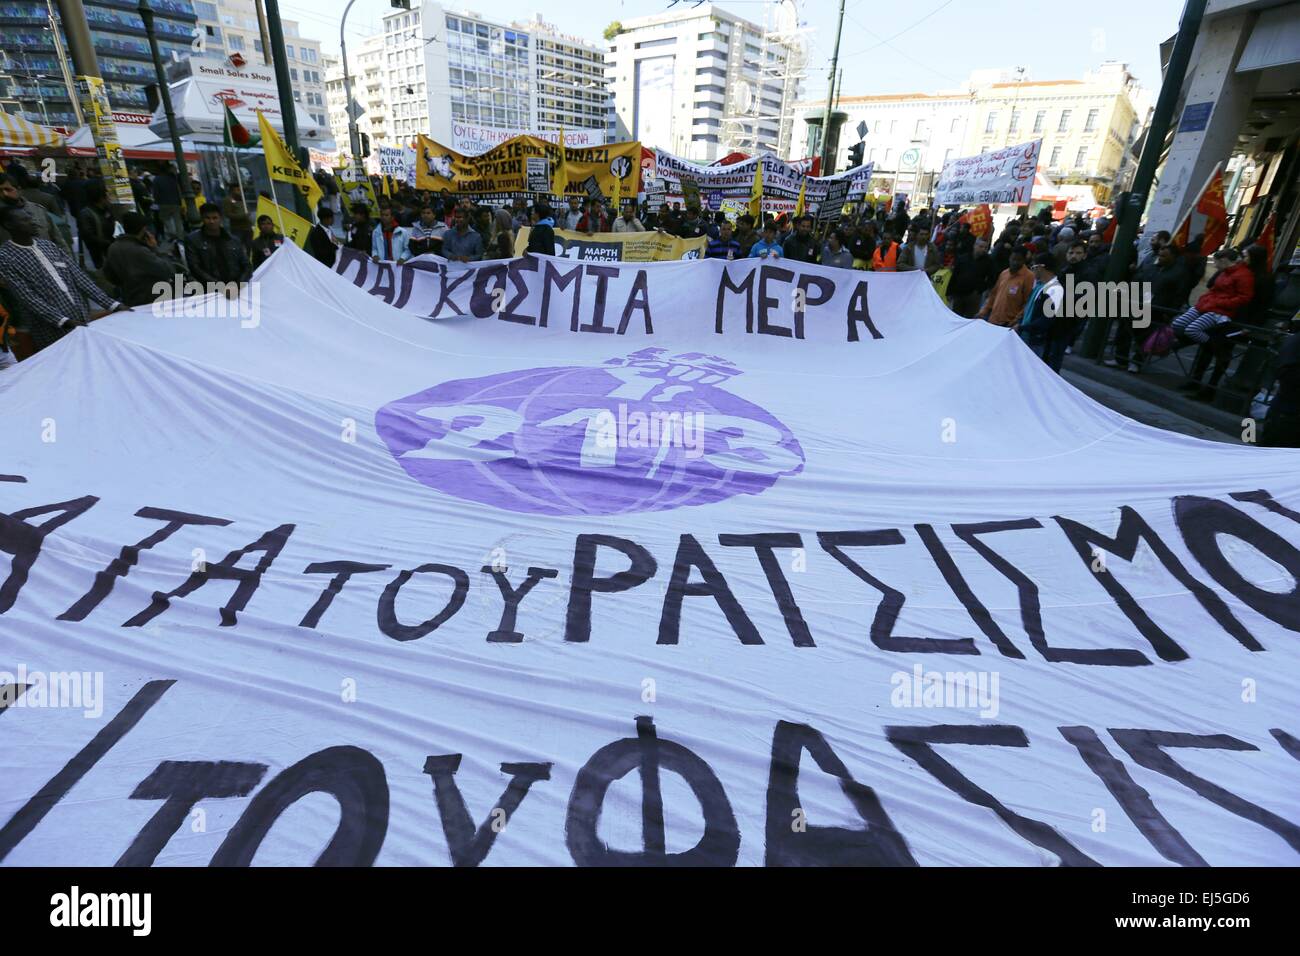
[887, 47]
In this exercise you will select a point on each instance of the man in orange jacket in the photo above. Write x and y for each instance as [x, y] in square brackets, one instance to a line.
[1006, 303]
[885, 258]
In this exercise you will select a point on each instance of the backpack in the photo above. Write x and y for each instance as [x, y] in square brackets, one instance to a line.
[1160, 341]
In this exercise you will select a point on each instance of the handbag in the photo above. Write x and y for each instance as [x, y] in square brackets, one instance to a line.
[1160, 341]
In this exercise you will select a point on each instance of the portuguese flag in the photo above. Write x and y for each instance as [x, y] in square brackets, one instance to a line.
[236, 133]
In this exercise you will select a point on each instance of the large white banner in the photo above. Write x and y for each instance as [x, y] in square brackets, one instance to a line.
[998, 175]
[544, 561]
[781, 180]
[475, 140]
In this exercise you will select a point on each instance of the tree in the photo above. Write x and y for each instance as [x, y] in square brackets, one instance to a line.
[613, 30]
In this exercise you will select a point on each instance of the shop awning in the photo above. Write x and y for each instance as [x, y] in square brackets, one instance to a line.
[16, 131]
[138, 142]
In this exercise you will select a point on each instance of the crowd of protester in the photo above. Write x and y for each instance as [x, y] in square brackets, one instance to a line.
[1018, 279]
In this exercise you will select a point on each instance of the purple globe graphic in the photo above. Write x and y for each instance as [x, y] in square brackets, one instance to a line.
[649, 432]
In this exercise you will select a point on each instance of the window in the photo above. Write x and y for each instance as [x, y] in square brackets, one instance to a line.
[947, 156]
[1039, 118]
[953, 127]
[1081, 157]
[288, 49]
[1090, 123]
[1064, 125]
[991, 123]
[234, 41]
[257, 44]
[1015, 120]
[1056, 157]
[893, 128]
[205, 11]
[889, 158]
[920, 128]
[293, 75]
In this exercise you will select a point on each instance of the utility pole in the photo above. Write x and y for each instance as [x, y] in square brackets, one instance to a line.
[95, 107]
[261, 28]
[288, 114]
[63, 63]
[830, 94]
[354, 135]
[164, 93]
[1134, 204]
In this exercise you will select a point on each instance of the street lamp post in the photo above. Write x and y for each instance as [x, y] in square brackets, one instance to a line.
[164, 93]
[354, 135]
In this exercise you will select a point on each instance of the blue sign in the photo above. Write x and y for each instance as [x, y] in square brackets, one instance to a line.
[1196, 116]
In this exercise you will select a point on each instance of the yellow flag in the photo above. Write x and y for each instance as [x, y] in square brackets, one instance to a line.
[560, 181]
[282, 167]
[756, 191]
[798, 206]
[291, 226]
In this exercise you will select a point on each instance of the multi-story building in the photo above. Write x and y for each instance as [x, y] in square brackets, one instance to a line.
[1088, 126]
[442, 67]
[912, 133]
[571, 89]
[232, 26]
[703, 82]
[369, 92]
[32, 81]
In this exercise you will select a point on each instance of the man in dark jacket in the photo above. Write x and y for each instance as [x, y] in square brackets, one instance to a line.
[541, 237]
[692, 227]
[134, 265]
[973, 274]
[320, 241]
[801, 247]
[361, 233]
[266, 241]
[167, 194]
[95, 225]
[1282, 426]
[213, 254]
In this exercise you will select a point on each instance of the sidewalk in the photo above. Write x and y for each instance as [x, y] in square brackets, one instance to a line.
[1151, 403]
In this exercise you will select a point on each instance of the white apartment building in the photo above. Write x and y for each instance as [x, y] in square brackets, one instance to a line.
[702, 82]
[443, 66]
[231, 26]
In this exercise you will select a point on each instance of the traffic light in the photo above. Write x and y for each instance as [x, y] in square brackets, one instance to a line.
[855, 154]
[365, 144]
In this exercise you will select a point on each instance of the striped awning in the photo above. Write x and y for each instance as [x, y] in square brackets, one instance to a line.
[16, 131]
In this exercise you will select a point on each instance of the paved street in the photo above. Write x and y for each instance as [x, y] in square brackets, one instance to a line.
[1149, 413]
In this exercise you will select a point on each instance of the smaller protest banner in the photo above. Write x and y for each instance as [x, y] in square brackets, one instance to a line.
[618, 246]
[832, 206]
[656, 195]
[996, 176]
[538, 174]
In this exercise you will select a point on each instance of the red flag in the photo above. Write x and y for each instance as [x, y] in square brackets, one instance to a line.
[1268, 236]
[981, 221]
[1210, 204]
[1182, 235]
